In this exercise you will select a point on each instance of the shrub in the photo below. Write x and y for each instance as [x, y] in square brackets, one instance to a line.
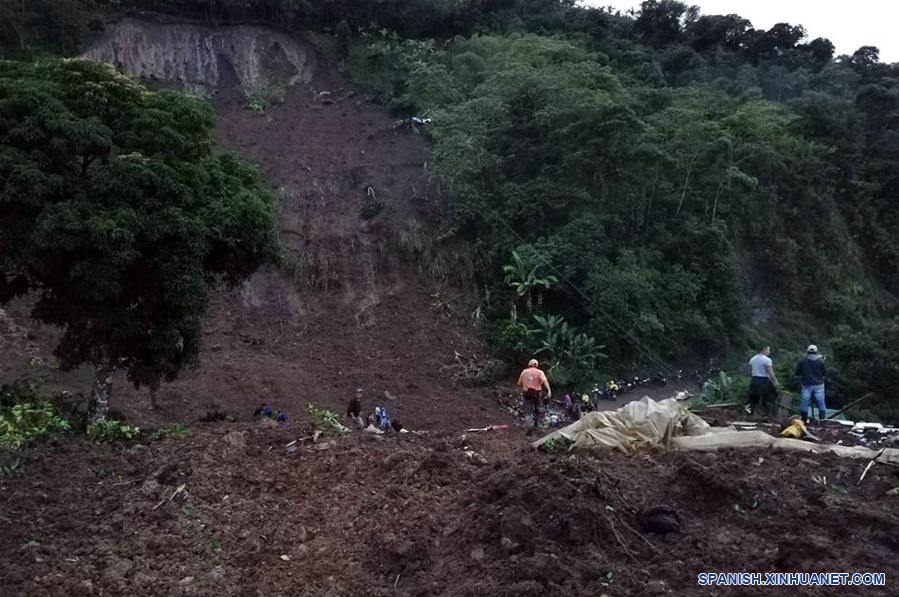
[176, 431]
[325, 420]
[26, 421]
[110, 430]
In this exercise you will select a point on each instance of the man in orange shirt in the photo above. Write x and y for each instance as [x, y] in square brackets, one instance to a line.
[532, 381]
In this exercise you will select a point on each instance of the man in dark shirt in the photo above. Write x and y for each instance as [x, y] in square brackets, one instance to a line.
[354, 409]
[812, 373]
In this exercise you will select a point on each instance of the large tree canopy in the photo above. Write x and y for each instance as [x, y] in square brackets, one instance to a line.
[118, 215]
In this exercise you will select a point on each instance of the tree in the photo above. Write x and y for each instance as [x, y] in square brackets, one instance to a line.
[659, 22]
[714, 32]
[524, 275]
[116, 213]
[573, 356]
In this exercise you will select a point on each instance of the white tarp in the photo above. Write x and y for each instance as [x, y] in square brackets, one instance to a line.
[760, 439]
[647, 424]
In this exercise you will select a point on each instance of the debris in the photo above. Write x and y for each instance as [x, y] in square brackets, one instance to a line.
[150, 488]
[475, 458]
[488, 428]
[186, 580]
[865, 472]
[166, 473]
[618, 537]
[372, 429]
[645, 540]
[850, 405]
[217, 573]
[893, 491]
[285, 557]
[870, 464]
[178, 491]
[118, 570]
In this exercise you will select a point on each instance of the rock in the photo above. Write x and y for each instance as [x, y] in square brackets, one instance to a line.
[236, 439]
[507, 544]
[477, 554]
[475, 458]
[217, 574]
[302, 535]
[202, 60]
[150, 488]
[83, 589]
[166, 474]
[118, 570]
[391, 460]
[186, 580]
[325, 446]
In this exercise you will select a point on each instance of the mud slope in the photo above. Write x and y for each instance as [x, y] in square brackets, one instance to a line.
[346, 308]
[413, 516]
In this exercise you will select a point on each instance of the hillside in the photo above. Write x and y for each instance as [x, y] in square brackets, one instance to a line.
[669, 189]
[347, 308]
[558, 146]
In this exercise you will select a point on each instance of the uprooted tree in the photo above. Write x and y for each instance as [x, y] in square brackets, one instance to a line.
[118, 217]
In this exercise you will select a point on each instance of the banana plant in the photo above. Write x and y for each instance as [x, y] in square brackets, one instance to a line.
[524, 276]
[563, 345]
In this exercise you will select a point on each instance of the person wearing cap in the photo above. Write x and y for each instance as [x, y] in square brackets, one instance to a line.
[812, 374]
[532, 382]
[354, 409]
[763, 385]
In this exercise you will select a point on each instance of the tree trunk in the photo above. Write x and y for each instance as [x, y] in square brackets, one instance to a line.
[100, 393]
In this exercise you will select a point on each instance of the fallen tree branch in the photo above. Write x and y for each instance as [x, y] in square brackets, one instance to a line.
[171, 497]
[850, 405]
[870, 464]
[618, 537]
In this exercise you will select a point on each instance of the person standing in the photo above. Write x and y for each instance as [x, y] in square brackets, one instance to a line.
[532, 382]
[763, 386]
[354, 409]
[812, 373]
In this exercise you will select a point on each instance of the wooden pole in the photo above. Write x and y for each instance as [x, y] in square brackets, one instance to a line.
[851, 404]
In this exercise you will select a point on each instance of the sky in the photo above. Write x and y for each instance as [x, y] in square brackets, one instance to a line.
[848, 25]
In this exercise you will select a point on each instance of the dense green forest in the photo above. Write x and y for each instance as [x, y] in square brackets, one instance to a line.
[659, 188]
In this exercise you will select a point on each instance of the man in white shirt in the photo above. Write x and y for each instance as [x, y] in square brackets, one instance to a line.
[763, 386]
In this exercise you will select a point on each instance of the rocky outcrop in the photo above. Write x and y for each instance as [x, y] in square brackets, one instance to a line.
[203, 60]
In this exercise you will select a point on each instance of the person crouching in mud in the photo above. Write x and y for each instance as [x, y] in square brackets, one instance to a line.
[532, 381]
